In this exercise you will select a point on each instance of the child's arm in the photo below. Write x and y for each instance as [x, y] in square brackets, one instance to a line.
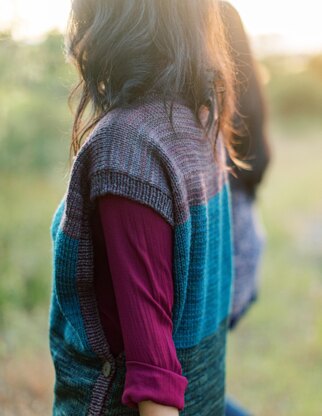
[149, 408]
[139, 244]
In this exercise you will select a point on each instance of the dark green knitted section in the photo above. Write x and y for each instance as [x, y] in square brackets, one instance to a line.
[204, 367]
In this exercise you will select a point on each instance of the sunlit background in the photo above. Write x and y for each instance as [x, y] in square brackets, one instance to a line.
[282, 25]
[275, 356]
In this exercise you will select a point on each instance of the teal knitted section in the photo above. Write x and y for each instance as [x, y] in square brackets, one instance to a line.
[65, 264]
[205, 267]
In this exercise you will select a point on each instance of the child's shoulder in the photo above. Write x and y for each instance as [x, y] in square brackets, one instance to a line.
[128, 127]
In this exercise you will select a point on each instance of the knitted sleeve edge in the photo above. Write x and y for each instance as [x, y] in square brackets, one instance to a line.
[121, 183]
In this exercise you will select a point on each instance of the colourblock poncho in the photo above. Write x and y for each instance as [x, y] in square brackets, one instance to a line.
[136, 153]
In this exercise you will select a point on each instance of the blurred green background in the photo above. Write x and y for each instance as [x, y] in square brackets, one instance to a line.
[275, 355]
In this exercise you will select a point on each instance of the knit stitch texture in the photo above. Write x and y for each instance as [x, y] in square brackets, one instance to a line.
[135, 152]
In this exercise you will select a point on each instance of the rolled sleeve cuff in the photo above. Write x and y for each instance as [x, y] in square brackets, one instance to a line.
[148, 382]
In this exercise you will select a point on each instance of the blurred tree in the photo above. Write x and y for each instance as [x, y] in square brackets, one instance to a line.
[34, 85]
[295, 92]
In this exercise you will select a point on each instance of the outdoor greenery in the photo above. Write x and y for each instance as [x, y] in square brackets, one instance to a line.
[275, 356]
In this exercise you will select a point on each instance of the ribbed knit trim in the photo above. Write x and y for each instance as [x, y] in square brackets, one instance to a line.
[105, 181]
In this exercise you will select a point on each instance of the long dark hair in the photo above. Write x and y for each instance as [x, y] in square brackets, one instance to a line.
[124, 49]
[250, 136]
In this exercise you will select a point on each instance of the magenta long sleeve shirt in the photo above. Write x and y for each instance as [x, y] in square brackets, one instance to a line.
[134, 288]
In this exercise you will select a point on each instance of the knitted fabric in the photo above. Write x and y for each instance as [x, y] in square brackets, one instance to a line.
[249, 241]
[136, 153]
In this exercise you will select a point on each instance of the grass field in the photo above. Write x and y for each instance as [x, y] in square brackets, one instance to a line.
[275, 356]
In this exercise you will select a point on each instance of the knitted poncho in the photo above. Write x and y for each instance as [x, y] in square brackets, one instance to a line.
[136, 153]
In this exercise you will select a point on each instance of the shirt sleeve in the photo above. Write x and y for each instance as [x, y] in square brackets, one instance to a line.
[139, 249]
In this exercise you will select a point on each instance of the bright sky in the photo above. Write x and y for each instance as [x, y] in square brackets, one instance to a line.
[298, 23]
[31, 18]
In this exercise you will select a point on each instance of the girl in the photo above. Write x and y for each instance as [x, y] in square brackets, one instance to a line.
[142, 257]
